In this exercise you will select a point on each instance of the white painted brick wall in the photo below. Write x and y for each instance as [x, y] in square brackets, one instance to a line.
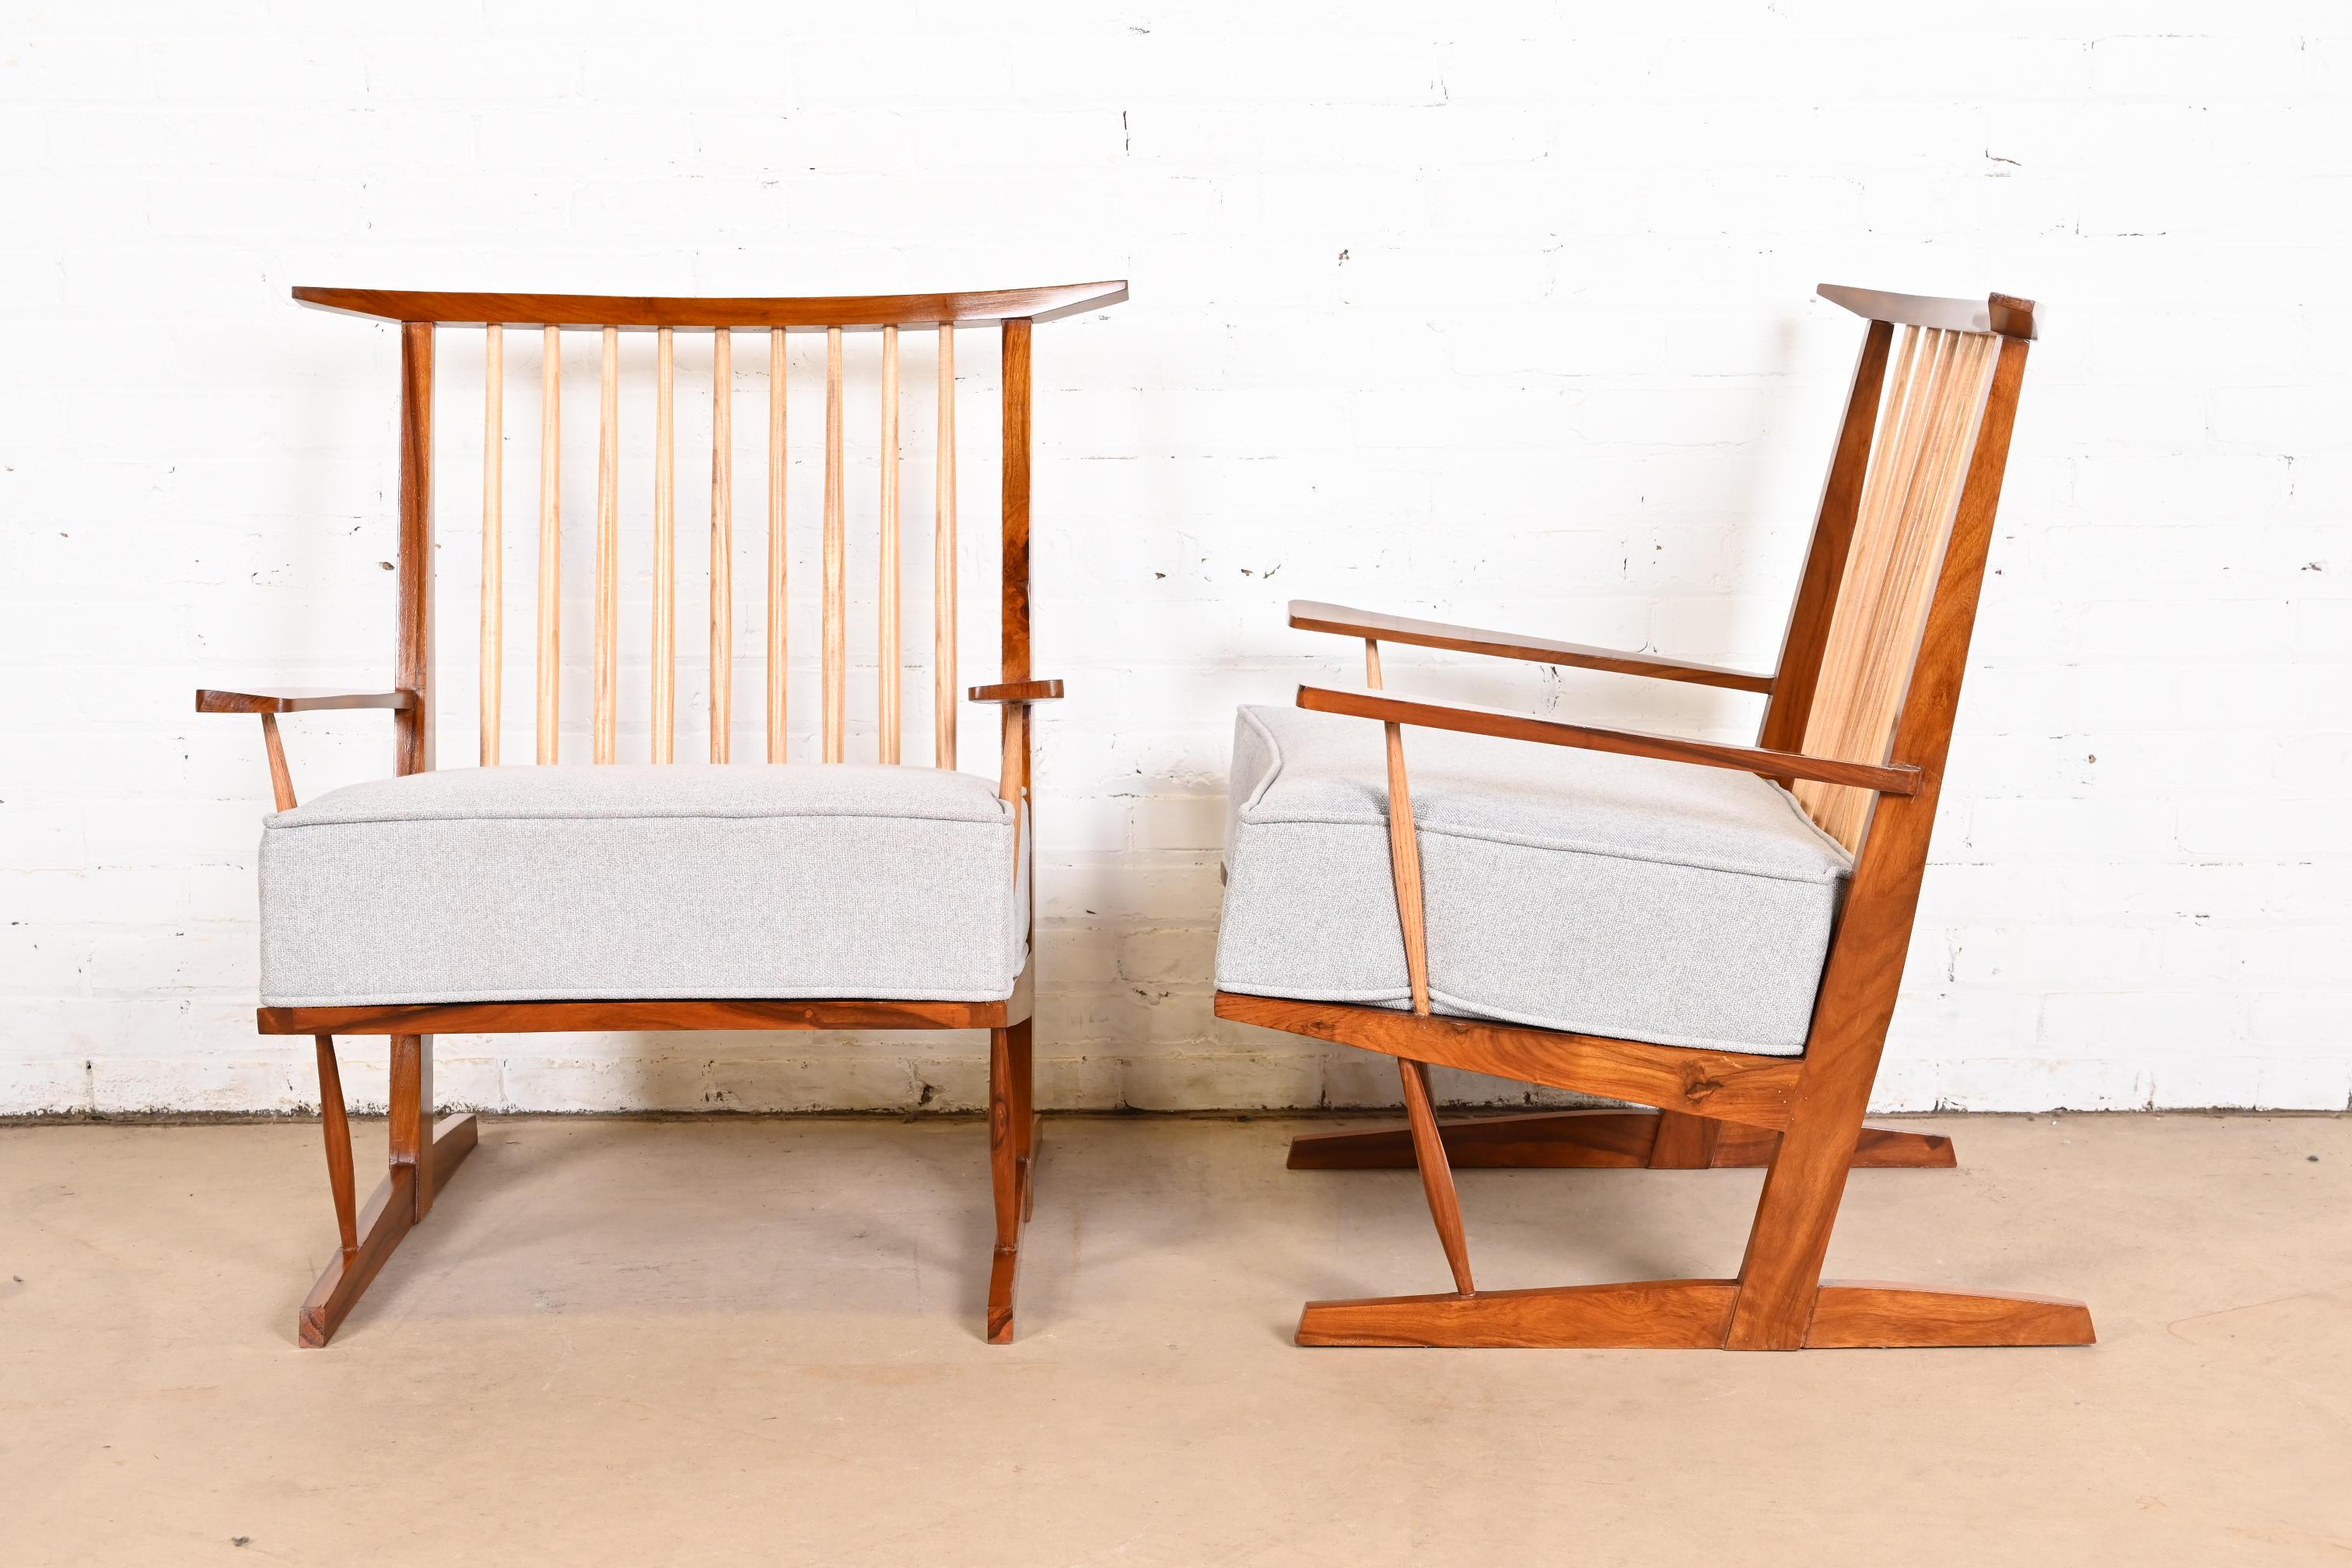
[1499, 312]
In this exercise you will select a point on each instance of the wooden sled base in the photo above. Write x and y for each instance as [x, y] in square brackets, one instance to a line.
[1693, 1314]
[423, 1159]
[392, 1213]
[1600, 1140]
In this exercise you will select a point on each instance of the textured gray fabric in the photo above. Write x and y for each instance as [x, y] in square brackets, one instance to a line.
[548, 883]
[1608, 895]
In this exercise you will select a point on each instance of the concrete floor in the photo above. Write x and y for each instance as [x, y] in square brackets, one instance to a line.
[742, 1341]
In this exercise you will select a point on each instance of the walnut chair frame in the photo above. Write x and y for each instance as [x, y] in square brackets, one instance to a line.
[1857, 720]
[422, 1157]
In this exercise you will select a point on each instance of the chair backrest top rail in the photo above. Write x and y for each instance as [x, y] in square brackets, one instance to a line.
[2004, 313]
[634, 311]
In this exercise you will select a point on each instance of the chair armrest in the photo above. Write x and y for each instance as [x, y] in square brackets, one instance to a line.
[271, 701]
[298, 700]
[1018, 691]
[1308, 615]
[1900, 779]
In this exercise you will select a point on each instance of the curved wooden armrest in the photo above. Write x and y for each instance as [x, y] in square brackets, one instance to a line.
[1018, 691]
[298, 700]
[1308, 615]
[1901, 779]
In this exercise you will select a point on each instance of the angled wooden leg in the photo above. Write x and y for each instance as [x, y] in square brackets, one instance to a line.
[1004, 1140]
[419, 1167]
[1683, 1141]
[336, 1122]
[1436, 1176]
[1024, 1112]
[1589, 1140]
[1782, 1273]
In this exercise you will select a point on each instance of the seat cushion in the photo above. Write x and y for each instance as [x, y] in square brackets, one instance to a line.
[1571, 889]
[548, 883]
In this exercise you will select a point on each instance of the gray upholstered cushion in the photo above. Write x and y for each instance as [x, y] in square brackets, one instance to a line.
[538, 883]
[1618, 896]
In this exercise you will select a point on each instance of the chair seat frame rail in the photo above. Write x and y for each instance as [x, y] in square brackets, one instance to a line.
[1858, 721]
[421, 1155]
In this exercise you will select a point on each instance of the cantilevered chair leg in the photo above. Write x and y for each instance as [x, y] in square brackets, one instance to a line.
[1436, 1176]
[1600, 1140]
[336, 1121]
[1011, 1159]
[420, 1166]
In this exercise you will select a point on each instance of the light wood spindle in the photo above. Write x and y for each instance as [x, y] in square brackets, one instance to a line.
[1012, 788]
[944, 694]
[835, 610]
[1864, 563]
[1909, 499]
[888, 658]
[722, 541]
[664, 660]
[1404, 851]
[493, 671]
[608, 550]
[778, 670]
[550, 540]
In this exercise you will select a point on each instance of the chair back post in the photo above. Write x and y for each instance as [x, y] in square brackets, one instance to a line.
[1863, 973]
[411, 660]
[1018, 405]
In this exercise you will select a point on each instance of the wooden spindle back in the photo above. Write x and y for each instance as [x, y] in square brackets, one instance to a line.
[1935, 395]
[838, 318]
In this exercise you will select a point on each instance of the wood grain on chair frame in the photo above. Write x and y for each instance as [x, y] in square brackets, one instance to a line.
[1858, 719]
[422, 1157]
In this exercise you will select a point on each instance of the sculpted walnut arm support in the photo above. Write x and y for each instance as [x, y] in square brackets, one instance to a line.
[1012, 779]
[271, 701]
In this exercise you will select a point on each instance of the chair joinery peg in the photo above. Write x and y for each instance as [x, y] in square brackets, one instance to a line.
[966, 963]
[1753, 1034]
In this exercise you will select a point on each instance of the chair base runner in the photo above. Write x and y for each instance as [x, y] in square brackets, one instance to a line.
[1693, 1314]
[390, 1214]
[1598, 1139]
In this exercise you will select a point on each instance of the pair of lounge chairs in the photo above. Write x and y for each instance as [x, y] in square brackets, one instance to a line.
[1713, 933]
